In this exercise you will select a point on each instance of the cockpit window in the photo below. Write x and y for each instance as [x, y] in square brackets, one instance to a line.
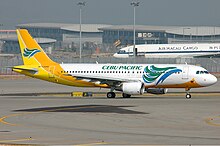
[202, 72]
[121, 52]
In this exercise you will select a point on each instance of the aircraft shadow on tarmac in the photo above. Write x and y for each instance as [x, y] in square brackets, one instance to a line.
[85, 108]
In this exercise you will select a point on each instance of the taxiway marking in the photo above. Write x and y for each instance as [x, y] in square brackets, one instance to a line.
[211, 121]
[16, 140]
[3, 119]
[91, 144]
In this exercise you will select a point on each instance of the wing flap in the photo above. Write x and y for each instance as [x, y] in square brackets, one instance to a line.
[101, 80]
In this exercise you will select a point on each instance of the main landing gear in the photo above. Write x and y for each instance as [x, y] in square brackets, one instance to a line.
[188, 95]
[111, 95]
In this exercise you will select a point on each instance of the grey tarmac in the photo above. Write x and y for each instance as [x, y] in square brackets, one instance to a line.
[148, 119]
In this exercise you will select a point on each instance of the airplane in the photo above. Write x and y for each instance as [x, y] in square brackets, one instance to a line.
[130, 79]
[171, 50]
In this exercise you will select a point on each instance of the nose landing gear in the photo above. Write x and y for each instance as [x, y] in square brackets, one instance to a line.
[188, 95]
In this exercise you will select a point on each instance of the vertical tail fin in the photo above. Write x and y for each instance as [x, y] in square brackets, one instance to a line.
[32, 53]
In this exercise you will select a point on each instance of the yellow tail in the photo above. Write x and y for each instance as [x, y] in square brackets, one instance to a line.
[32, 53]
[37, 64]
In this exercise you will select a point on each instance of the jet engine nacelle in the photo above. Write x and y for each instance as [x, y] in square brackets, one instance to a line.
[133, 88]
[157, 90]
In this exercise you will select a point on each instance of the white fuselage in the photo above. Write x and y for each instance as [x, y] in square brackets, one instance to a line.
[151, 75]
[170, 50]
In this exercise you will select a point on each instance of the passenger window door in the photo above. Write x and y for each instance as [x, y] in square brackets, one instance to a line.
[185, 73]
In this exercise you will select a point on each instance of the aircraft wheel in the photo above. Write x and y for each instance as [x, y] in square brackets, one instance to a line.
[124, 95]
[110, 95]
[188, 96]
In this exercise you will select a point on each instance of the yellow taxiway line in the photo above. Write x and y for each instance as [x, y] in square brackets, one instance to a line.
[211, 121]
[3, 119]
[16, 140]
[91, 144]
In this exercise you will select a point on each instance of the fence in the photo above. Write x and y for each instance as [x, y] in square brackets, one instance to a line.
[211, 64]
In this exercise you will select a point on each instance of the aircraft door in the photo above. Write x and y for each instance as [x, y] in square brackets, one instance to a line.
[130, 51]
[135, 51]
[185, 72]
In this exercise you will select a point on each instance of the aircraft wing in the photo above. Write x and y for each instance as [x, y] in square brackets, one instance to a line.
[214, 55]
[102, 80]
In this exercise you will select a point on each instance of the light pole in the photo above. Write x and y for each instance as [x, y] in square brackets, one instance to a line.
[80, 4]
[1, 29]
[214, 35]
[134, 4]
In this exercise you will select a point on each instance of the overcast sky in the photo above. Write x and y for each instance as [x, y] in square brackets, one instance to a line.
[150, 12]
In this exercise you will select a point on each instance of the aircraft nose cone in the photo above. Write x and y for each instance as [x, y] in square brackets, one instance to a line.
[208, 80]
[212, 80]
[116, 55]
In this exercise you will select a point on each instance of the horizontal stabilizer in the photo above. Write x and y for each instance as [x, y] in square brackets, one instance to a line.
[30, 69]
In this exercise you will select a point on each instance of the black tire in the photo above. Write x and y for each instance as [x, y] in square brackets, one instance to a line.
[124, 95]
[188, 96]
[110, 95]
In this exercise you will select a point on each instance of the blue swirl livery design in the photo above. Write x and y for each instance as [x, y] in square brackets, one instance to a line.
[29, 53]
[152, 73]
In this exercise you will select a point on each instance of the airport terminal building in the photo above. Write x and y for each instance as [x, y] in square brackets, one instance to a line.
[59, 35]
[62, 36]
[66, 34]
[123, 34]
[160, 34]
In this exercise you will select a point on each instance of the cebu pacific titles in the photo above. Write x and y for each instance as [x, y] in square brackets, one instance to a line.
[130, 79]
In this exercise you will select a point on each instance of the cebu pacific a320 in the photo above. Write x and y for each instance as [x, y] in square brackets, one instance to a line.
[129, 79]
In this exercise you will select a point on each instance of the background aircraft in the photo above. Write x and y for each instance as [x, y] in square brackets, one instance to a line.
[171, 50]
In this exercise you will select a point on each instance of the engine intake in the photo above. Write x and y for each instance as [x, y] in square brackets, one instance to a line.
[133, 88]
